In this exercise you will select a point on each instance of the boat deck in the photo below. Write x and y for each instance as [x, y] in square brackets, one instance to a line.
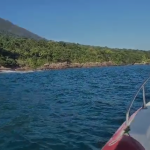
[140, 127]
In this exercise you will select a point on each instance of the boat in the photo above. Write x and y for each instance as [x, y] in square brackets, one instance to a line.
[134, 133]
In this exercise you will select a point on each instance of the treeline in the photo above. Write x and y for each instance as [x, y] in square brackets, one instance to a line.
[16, 52]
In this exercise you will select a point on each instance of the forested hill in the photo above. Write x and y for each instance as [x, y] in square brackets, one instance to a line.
[15, 52]
[21, 48]
[8, 28]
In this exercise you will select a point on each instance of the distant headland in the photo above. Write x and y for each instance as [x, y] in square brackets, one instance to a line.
[23, 50]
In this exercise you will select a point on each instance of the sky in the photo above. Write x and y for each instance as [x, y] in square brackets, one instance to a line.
[111, 23]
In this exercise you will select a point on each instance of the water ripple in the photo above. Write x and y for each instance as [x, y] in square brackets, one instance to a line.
[66, 109]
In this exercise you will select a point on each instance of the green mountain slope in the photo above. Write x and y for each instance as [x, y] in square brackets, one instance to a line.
[35, 52]
[8, 28]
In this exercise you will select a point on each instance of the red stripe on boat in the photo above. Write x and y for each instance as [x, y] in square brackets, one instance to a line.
[119, 141]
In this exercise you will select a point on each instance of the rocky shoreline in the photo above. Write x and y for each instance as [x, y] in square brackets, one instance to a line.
[64, 65]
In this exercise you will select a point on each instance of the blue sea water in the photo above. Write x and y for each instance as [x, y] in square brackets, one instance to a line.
[70, 109]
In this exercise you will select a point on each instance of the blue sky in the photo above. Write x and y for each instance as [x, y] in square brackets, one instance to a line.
[112, 23]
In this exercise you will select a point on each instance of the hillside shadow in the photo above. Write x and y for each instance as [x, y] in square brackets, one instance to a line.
[9, 54]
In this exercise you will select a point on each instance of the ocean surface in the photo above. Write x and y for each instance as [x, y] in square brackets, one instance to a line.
[70, 109]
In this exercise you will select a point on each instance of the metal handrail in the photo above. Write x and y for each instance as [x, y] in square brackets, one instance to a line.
[144, 101]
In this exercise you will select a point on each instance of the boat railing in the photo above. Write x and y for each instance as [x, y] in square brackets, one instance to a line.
[142, 87]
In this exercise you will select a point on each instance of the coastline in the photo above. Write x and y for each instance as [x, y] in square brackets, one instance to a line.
[64, 65]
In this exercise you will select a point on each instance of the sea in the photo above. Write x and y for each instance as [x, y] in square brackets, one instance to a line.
[68, 109]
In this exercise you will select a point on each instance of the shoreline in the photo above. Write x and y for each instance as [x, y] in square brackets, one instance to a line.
[64, 65]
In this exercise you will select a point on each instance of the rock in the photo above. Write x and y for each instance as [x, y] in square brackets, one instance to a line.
[62, 65]
[4, 68]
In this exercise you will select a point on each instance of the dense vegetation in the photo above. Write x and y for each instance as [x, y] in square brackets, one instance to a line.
[6, 27]
[29, 52]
